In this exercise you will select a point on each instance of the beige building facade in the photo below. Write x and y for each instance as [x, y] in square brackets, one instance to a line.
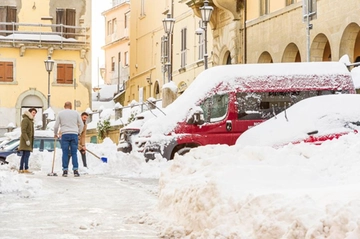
[240, 32]
[263, 31]
[117, 44]
[150, 53]
[30, 32]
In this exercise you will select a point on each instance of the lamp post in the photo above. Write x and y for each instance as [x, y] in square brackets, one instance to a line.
[206, 12]
[168, 24]
[49, 64]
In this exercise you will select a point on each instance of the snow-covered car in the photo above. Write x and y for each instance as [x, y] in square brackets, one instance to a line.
[41, 143]
[313, 120]
[129, 133]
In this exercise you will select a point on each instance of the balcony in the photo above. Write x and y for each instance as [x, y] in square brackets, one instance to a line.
[234, 7]
[42, 35]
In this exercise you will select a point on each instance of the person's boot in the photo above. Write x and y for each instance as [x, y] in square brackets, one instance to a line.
[65, 173]
[76, 173]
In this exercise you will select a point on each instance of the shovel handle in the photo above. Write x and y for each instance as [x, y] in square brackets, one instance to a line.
[93, 154]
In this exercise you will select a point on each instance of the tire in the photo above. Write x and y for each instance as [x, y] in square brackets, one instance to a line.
[3, 161]
[183, 151]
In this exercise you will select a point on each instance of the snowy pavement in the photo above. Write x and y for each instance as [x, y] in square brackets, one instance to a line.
[72, 208]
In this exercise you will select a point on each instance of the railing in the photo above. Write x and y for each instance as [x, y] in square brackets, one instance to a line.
[43, 33]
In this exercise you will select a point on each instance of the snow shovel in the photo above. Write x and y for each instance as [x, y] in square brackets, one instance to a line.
[52, 170]
[103, 159]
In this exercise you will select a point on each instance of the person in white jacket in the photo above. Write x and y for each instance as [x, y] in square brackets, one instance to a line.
[71, 126]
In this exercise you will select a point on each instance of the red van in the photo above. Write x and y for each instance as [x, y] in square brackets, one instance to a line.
[225, 101]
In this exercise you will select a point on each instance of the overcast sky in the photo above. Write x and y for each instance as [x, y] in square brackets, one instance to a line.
[98, 26]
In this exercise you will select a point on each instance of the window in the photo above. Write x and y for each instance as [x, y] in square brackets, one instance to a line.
[289, 2]
[164, 49]
[215, 107]
[264, 105]
[36, 144]
[109, 27]
[66, 17]
[201, 43]
[113, 26]
[113, 63]
[127, 20]
[183, 48]
[126, 56]
[7, 14]
[6, 71]
[64, 74]
[264, 7]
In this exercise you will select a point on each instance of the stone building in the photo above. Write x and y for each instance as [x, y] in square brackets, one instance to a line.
[32, 32]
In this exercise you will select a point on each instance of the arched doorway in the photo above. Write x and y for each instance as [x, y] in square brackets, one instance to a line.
[265, 57]
[350, 42]
[291, 54]
[31, 99]
[227, 58]
[156, 90]
[320, 49]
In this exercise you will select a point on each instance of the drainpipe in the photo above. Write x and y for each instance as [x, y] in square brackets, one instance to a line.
[245, 35]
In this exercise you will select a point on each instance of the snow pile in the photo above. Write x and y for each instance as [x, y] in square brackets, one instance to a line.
[299, 191]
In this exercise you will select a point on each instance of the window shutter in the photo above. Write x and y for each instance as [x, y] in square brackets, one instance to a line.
[60, 74]
[9, 72]
[69, 74]
[2, 19]
[6, 71]
[70, 21]
[60, 18]
[2, 71]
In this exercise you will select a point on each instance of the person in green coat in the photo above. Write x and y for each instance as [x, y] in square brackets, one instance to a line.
[26, 139]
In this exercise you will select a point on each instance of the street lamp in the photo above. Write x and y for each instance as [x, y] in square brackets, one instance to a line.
[168, 23]
[206, 12]
[49, 64]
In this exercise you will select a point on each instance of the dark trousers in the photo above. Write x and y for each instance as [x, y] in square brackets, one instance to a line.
[24, 161]
[83, 157]
[69, 144]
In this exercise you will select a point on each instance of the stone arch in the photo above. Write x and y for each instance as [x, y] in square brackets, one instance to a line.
[320, 49]
[350, 42]
[265, 57]
[226, 41]
[30, 98]
[291, 53]
[227, 58]
[156, 89]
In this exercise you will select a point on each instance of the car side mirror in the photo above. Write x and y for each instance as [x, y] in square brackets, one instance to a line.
[197, 118]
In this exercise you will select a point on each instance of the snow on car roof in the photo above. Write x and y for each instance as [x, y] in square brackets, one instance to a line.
[326, 114]
[209, 79]
[141, 118]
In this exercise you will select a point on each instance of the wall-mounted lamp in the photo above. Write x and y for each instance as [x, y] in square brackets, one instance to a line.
[34, 6]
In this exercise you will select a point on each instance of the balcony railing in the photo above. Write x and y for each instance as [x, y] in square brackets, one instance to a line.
[39, 34]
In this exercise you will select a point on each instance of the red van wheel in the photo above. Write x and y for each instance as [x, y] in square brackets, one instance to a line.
[183, 151]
